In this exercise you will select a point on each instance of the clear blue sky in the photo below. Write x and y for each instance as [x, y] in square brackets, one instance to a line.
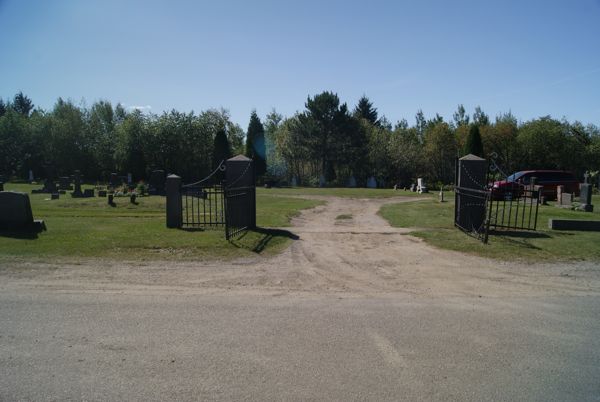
[531, 57]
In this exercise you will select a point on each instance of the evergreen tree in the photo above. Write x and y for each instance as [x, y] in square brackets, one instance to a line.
[474, 145]
[22, 104]
[255, 144]
[365, 110]
[461, 118]
[2, 107]
[480, 118]
[221, 148]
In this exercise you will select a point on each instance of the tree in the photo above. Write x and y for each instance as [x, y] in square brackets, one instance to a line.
[255, 144]
[461, 118]
[421, 123]
[221, 148]
[365, 110]
[276, 164]
[440, 152]
[22, 104]
[3, 107]
[474, 145]
[480, 118]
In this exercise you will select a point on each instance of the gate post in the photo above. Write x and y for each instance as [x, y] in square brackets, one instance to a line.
[174, 207]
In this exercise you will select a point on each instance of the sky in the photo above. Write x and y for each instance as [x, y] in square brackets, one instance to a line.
[533, 58]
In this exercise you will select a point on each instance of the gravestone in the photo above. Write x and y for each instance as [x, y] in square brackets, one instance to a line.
[88, 192]
[64, 183]
[156, 186]
[77, 180]
[30, 175]
[421, 187]
[559, 191]
[114, 180]
[294, 181]
[413, 187]
[49, 186]
[322, 181]
[351, 182]
[102, 193]
[55, 196]
[15, 213]
[585, 195]
[129, 178]
[371, 182]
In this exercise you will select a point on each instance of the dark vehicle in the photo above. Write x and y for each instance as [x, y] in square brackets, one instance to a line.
[514, 184]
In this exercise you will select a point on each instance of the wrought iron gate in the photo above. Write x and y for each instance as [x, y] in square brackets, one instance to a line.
[481, 205]
[225, 199]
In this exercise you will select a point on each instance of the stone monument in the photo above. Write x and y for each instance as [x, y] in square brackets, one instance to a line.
[585, 195]
[16, 215]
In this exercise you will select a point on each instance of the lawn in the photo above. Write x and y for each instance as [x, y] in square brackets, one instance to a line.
[434, 222]
[340, 192]
[90, 228]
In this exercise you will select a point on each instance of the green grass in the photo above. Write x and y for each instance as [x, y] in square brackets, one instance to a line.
[434, 222]
[340, 192]
[90, 228]
[343, 216]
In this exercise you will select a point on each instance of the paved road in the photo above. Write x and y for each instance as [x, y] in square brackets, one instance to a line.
[70, 345]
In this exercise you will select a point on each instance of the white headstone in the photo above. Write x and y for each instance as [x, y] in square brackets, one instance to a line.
[371, 182]
[30, 175]
[352, 181]
[421, 187]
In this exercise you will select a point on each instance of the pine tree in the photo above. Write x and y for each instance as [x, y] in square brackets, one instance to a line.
[2, 108]
[22, 104]
[221, 148]
[255, 144]
[365, 110]
[474, 145]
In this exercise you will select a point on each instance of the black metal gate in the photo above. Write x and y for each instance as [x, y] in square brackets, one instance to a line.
[481, 205]
[225, 199]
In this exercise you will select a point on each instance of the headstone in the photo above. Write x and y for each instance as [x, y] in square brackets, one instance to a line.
[322, 181]
[111, 201]
[585, 198]
[132, 198]
[559, 191]
[114, 180]
[294, 181]
[15, 213]
[371, 182]
[102, 193]
[49, 186]
[421, 187]
[413, 187]
[156, 186]
[88, 192]
[77, 180]
[31, 178]
[352, 182]
[129, 178]
[55, 196]
[64, 183]
[566, 200]
[441, 195]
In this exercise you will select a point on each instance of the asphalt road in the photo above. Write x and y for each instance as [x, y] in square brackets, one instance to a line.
[75, 345]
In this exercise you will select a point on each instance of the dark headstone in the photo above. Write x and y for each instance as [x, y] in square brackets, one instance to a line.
[102, 193]
[111, 198]
[585, 198]
[574, 224]
[114, 180]
[156, 186]
[77, 181]
[49, 186]
[55, 196]
[15, 213]
[132, 198]
[88, 192]
[64, 183]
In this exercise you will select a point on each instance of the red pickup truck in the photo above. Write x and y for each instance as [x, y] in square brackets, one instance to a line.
[550, 179]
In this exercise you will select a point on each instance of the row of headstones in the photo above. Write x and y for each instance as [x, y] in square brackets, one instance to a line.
[565, 200]
[73, 183]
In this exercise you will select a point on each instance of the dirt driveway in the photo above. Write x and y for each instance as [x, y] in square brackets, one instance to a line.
[343, 247]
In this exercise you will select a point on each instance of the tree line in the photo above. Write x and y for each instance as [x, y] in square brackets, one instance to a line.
[326, 142]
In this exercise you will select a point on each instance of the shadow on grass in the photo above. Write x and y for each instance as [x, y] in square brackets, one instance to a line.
[521, 234]
[266, 236]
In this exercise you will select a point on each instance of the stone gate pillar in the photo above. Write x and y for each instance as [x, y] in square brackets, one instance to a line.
[174, 207]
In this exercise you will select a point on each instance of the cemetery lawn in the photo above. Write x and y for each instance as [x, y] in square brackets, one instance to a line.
[90, 228]
[340, 192]
[434, 222]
